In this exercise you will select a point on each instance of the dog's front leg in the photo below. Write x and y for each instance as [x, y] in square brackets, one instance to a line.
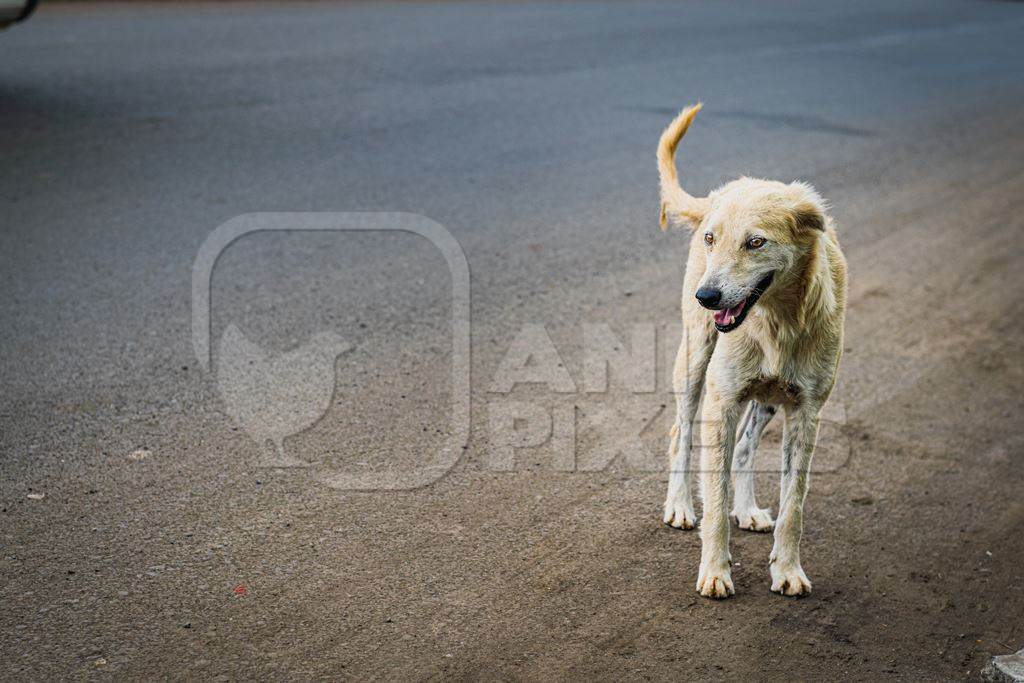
[799, 435]
[718, 436]
[688, 378]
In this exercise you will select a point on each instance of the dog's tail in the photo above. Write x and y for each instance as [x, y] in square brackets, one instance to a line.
[674, 199]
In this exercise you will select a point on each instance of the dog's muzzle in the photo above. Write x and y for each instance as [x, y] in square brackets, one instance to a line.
[728, 319]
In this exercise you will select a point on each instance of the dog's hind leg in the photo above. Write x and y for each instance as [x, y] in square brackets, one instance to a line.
[688, 379]
[745, 511]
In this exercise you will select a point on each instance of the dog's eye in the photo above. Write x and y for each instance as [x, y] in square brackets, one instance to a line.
[756, 242]
[709, 239]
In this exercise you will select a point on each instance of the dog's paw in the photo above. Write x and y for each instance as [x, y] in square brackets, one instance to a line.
[789, 580]
[715, 583]
[753, 519]
[679, 515]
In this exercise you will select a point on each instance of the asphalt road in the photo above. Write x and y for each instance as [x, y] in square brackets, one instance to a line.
[141, 533]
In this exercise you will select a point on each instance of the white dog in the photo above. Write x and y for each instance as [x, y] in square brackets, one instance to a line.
[763, 302]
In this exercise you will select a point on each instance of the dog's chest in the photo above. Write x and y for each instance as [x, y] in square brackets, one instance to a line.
[775, 371]
[774, 358]
[773, 363]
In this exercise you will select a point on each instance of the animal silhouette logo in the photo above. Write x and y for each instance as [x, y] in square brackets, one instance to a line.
[272, 396]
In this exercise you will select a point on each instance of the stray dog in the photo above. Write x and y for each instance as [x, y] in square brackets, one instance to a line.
[764, 296]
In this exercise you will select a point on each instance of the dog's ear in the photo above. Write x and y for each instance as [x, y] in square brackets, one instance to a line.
[808, 209]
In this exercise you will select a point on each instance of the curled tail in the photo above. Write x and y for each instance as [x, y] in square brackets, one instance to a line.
[674, 199]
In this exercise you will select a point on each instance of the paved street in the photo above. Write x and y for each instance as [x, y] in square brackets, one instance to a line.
[142, 533]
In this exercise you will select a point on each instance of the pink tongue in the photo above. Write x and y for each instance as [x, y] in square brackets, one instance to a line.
[726, 315]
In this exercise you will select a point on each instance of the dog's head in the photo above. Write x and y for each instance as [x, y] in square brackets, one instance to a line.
[755, 233]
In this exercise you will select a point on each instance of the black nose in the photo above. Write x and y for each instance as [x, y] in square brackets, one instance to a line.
[709, 296]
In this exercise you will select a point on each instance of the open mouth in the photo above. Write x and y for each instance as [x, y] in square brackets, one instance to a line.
[728, 319]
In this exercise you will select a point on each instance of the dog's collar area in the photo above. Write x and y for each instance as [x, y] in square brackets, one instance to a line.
[748, 303]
